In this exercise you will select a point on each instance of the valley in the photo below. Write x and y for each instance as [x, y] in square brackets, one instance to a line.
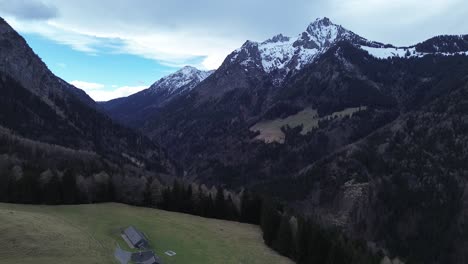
[342, 149]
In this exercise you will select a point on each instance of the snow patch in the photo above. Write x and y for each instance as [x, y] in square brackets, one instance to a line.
[386, 53]
[276, 55]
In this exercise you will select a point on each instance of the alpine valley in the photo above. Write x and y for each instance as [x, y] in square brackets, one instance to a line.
[367, 139]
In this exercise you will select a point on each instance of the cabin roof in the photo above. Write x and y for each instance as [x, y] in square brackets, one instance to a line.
[134, 235]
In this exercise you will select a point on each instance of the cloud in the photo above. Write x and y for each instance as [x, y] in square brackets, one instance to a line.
[202, 33]
[100, 92]
[49, 29]
[87, 86]
[172, 32]
[401, 22]
[106, 95]
[28, 9]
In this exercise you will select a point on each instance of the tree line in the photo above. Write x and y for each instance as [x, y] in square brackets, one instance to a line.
[25, 185]
[294, 236]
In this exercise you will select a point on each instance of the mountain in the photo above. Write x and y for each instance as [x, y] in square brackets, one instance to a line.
[365, 138]
[351, 131]
[52, 131]
[263, 81]
[133, 109]
[281, 55]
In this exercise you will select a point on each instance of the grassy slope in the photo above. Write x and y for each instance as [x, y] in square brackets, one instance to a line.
[89, 234]
[270, 131]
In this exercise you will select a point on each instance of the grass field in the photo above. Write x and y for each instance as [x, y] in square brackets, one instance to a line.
[270, 130]
[90, 233]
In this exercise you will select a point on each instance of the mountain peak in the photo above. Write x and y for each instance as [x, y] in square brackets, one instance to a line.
[185, 78]
[5, 27]
[323, 32]
[277, 38]
[2, 21]
[188, 68]
[325, 21]
[322, 24]
[282, 55]
[191, 71]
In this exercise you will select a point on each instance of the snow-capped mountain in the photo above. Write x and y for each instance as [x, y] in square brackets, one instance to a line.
[441, 45]
[182, 80]
[282, 55]
[40, 110]
[129, 110]
[265, 66]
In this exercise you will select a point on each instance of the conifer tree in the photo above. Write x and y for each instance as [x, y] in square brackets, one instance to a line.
[270, 221]
[220, 205]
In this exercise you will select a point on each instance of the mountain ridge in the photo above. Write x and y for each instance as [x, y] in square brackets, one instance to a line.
[142, 104]
[373, 135]
[49, 127]
[209, 130]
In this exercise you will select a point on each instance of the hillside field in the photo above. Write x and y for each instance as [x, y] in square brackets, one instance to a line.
[270, 130]
[90, 233]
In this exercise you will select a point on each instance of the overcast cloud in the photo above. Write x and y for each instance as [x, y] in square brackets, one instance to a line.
[178, 32]
[29, 10]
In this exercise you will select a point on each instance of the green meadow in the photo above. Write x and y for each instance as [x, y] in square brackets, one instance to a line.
[90, 234]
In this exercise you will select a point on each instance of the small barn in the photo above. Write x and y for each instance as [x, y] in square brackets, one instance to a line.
[136, 238]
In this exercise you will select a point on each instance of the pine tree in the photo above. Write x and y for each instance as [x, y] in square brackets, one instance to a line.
[210, 208]
[70, 190]
[270, 221]
[28, 184]
[188, 203]
[147, 195]
[303, 242]
[200, 205]
[156, 193]
[250, 208]
[176, 197]
[4, 186]
[220, 206]
[52, 192]
[284, 240]
[166, 202]
[320, 244]
[231, 210]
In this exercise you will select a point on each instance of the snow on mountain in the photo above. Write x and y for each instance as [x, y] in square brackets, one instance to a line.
[282, 55]
[182, 80]
[276, 53]
[441, 45]
[385, 53]
[410, 52]
[323, 33]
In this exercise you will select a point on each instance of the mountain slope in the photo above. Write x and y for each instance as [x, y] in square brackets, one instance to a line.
[43, 116]
[136, 108]
[404, 185]
[326, 161]
[243, 92]
[282, 55]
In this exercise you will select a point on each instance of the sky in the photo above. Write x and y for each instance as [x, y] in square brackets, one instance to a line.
[113, 48]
